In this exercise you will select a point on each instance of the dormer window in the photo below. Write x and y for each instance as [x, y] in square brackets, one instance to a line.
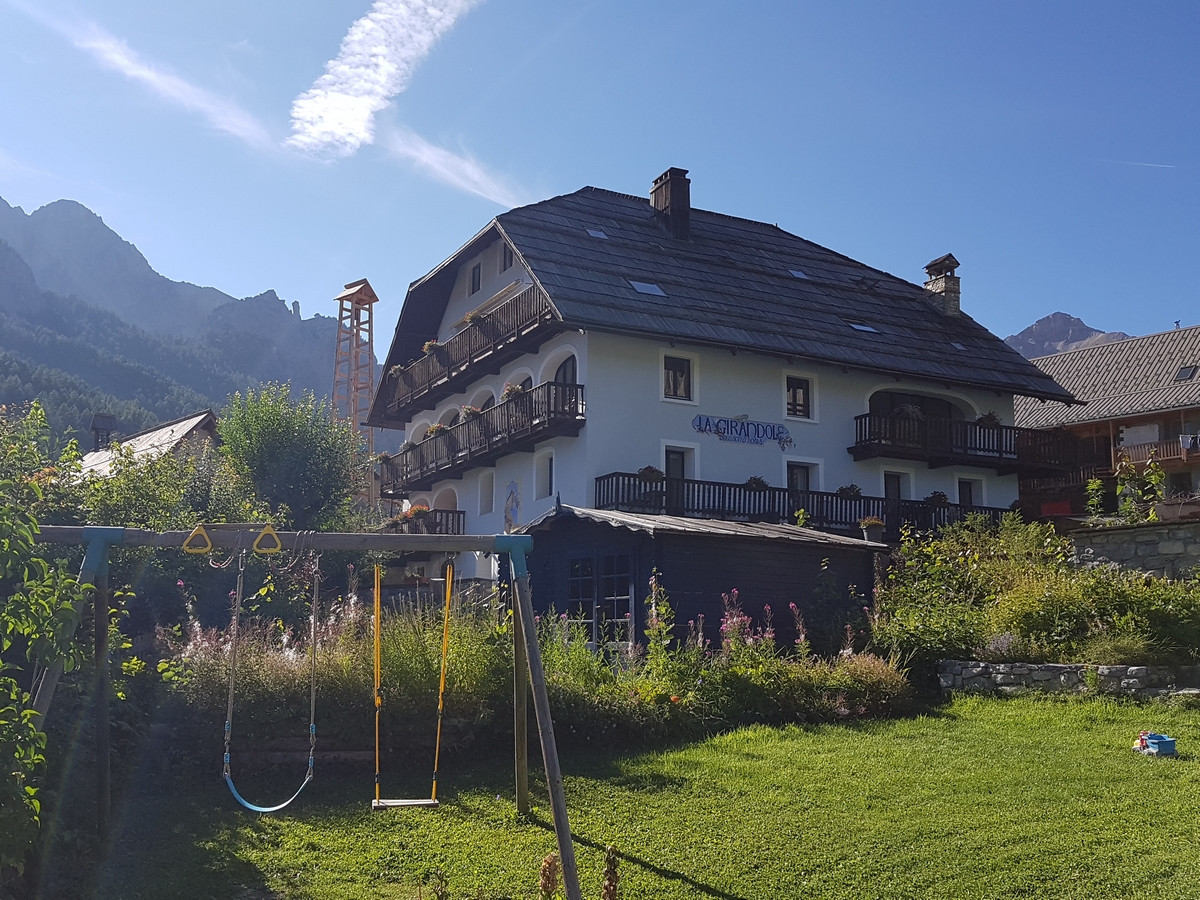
[476, 277]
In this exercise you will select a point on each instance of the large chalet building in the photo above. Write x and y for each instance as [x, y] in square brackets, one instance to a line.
[604, 351]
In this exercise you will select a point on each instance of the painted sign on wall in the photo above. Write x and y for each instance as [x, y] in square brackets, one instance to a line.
[741, 430]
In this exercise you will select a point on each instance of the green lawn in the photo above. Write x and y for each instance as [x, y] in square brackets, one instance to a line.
[986, 798]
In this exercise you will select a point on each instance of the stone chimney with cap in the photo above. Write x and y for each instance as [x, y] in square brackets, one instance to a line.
[671, 197]
[943, 284]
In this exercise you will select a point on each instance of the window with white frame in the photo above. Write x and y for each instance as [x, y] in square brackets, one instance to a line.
[677, 378]
[798, 396]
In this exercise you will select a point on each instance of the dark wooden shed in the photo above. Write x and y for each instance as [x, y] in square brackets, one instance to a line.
[595, 566]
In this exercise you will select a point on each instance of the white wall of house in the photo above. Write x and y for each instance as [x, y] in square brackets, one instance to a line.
[630, 425]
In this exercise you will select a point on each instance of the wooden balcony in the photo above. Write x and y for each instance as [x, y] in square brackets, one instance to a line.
[1184, 449]
[946, 442]
[515, 327]
[826, 511]
[436, 521]
[515, 425]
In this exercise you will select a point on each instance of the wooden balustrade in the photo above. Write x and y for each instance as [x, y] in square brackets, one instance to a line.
[827, 511]
[484, 338]
[537, 414]
[941, 442]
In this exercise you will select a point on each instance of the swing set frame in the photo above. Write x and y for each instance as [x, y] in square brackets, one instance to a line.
[528, 674]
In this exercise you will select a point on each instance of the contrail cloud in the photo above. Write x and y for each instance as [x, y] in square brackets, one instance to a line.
[442, 165]
[375, 62]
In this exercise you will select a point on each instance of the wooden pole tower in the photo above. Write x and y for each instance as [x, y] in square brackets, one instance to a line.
[354, 361]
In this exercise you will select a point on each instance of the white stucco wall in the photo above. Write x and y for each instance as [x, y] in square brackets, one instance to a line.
[630, 425]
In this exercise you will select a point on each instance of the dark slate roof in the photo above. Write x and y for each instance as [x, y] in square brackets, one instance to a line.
[1119, 379]
[677, 525]
[731, 284]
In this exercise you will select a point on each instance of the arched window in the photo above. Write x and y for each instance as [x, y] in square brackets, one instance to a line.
[567, 371]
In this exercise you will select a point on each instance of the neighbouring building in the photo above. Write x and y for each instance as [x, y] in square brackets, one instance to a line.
[183, 435]
[1140, 399]
[612, 352]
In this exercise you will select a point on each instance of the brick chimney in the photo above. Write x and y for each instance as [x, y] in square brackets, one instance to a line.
[943, 284]
[671, 196]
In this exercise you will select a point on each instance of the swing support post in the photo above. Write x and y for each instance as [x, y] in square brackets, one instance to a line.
[516, 546]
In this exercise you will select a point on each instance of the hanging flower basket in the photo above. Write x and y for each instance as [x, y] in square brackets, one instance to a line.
[471, 412]
[757, 483]
[416, 511]
[430, 346]
[989, 420]
[511, 390]
[435, 429]
[937, 498]
[849, 492]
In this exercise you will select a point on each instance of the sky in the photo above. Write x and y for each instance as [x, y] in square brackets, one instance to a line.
[1052, 147]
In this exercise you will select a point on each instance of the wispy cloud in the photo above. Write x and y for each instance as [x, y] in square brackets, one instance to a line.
[461, 172]
[375, 62]
[113, 53]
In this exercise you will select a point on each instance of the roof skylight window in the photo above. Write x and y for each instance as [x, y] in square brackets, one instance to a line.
[646, 287]
[861, 326]
[1186, 373]
[957, 346]
[597, 233]
[798, 273]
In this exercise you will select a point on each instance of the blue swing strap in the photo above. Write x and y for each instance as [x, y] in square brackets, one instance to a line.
[312, 699]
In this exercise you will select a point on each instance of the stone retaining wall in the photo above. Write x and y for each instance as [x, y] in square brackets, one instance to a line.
[1169, 550]
[1007, 678]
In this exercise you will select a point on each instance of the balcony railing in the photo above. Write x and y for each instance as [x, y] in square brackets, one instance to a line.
[945, 442]
[1185, 448]
[695, 499]
[495, 337]
[518, 423]
[436, 521]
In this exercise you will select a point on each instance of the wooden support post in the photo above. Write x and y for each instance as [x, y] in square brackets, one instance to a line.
[541, 706]
[520, 708]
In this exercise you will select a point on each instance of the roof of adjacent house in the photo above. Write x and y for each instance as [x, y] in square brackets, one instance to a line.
[159, 439]
[732, 283]
[1120, 379]
[678, 525]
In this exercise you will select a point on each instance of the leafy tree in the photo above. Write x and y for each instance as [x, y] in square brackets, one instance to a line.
[39, 612]
[302, 462]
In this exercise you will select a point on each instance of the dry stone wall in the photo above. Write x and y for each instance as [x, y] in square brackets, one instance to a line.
[1168, 550]
[1008, 678]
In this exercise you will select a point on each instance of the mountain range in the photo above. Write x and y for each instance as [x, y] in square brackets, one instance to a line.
[87, 326]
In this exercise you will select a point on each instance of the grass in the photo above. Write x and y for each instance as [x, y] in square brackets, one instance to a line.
[987, 798]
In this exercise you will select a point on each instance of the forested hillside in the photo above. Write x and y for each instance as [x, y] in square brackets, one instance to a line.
[74, 300]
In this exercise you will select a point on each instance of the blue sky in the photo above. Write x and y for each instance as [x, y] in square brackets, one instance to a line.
[1052, 147]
